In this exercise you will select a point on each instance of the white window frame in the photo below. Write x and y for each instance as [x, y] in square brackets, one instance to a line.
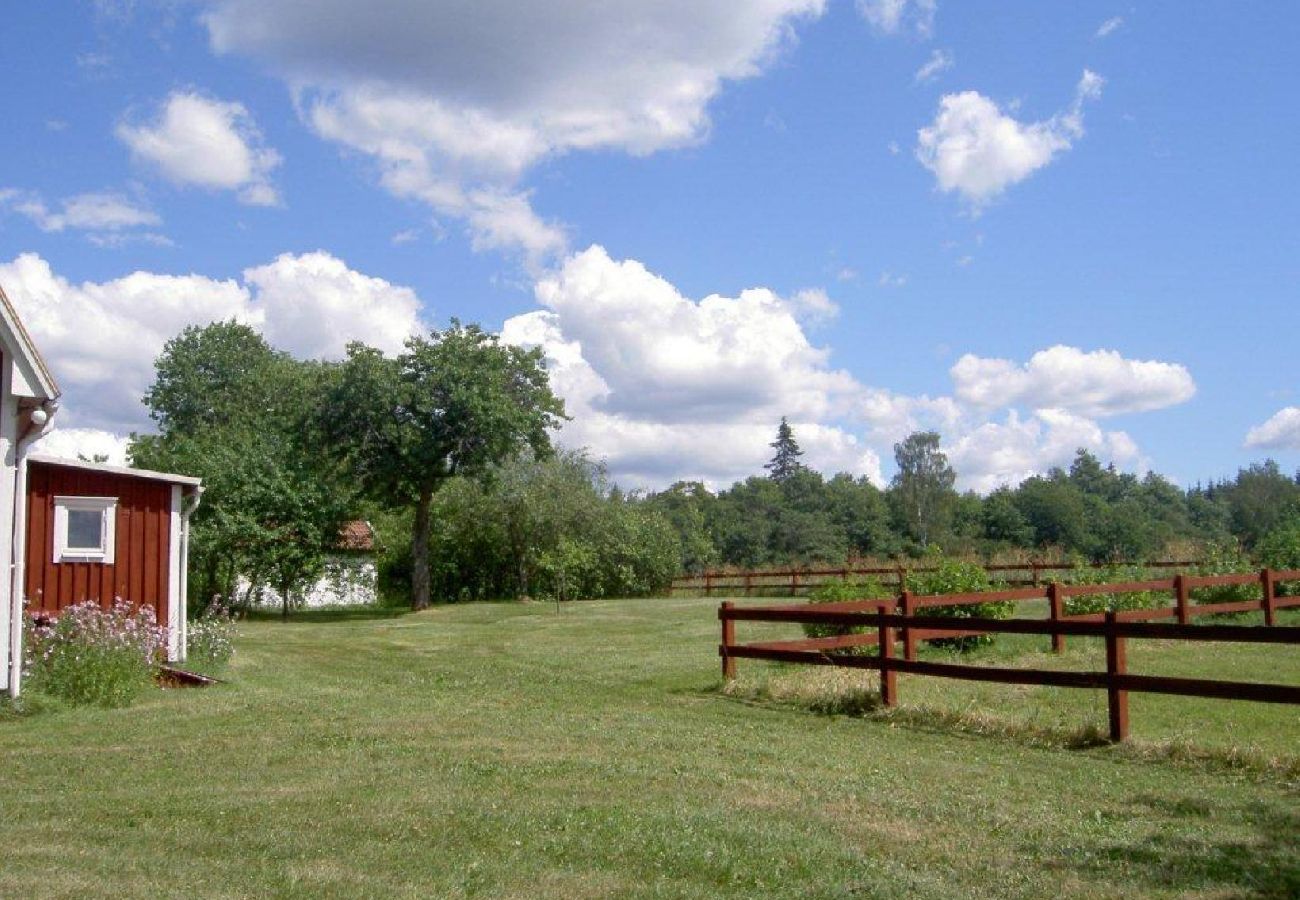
[106, 552]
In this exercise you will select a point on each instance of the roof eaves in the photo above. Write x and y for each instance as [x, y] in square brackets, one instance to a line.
[127, 471]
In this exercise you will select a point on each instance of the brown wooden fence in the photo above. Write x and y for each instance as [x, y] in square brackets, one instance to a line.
[895, 619]
[792, 581]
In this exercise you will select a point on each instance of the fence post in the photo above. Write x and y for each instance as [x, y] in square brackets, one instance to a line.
[888, 677]
[794, 582]
[1033, 568]
[1270, 596]
[1180, 597]
[906, 608]
[749, 583]
[728, 638]
[1116, 664]
[708, 584]
[1056, 612]
[902, 578]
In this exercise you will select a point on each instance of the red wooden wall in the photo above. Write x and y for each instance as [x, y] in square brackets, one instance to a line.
[140, 569]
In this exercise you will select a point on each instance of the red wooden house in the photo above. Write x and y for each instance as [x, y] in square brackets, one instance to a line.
[97, 532]
[74, 531]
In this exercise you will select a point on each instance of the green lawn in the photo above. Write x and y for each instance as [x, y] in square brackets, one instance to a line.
[502, 750]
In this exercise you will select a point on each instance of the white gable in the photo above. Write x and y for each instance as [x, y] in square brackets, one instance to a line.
[28, 374]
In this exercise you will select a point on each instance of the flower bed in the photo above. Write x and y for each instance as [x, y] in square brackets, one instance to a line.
[94, 656]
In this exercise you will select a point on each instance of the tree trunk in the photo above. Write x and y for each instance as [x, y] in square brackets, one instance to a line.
[523, 575]
[420, 552]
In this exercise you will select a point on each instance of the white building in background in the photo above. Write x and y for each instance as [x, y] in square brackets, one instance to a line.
[351, 575]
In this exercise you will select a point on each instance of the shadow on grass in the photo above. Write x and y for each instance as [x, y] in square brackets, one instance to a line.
[325, 616]
[1265, 864]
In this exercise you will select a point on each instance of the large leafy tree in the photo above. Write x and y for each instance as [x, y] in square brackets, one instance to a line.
[691, 509]
[922, 492]
[1260, 499]
[1055, 511]
[859, 509]
[454, 403]
[232, 410]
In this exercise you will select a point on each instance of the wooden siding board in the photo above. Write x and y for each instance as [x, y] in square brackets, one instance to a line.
[149, 549]
[140, 570]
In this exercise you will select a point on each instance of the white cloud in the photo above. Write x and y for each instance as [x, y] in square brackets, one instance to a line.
[1280, 432]
[1006, 453]
[456, 103]
[100, 213]
[1110, 26]
[685, 360]
[312, 305]
[115, 239]
[891, 280]
[940, 61]
[892, 416]
[84, 443]
[101, 338]
[666, 387]
[203, 142]
[976, 149]
[814, 304]
[895, 16]
[660, 385]
[1097, 383]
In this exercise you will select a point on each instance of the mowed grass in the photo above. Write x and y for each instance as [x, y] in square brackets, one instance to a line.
[502, 750]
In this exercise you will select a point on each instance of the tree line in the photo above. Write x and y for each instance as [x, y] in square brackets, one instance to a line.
[445, 447]
[1089, 511]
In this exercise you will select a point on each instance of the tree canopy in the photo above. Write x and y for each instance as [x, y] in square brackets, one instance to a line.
[922, 491]
[453, 404]
[233, 411]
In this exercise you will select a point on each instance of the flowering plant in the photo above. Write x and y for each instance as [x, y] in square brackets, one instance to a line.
[211, 636]
[90, 655]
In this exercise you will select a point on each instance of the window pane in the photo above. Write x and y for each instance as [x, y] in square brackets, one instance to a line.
[85, 529]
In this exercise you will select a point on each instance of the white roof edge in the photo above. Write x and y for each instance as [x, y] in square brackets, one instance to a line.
[27, 348]
[49, 460]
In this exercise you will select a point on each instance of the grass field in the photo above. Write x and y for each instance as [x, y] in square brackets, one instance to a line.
[504, 750]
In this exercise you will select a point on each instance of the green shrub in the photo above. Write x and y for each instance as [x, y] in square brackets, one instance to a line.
[210, 638]
[1098, 603]
[569, 571]
[842, 590]
[93, 656]
[1226, 559]
[951, 576]
[1280, 549]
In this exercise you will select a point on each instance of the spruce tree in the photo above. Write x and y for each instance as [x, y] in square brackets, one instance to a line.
[786, 460]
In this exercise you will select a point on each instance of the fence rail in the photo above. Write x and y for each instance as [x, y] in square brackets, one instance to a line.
[796, 580]
[895, 619]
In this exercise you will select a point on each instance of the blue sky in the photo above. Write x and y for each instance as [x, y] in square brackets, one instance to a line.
[1031, 226]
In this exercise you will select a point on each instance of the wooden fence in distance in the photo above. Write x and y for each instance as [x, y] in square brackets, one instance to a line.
[895, 619]
[792, 581]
